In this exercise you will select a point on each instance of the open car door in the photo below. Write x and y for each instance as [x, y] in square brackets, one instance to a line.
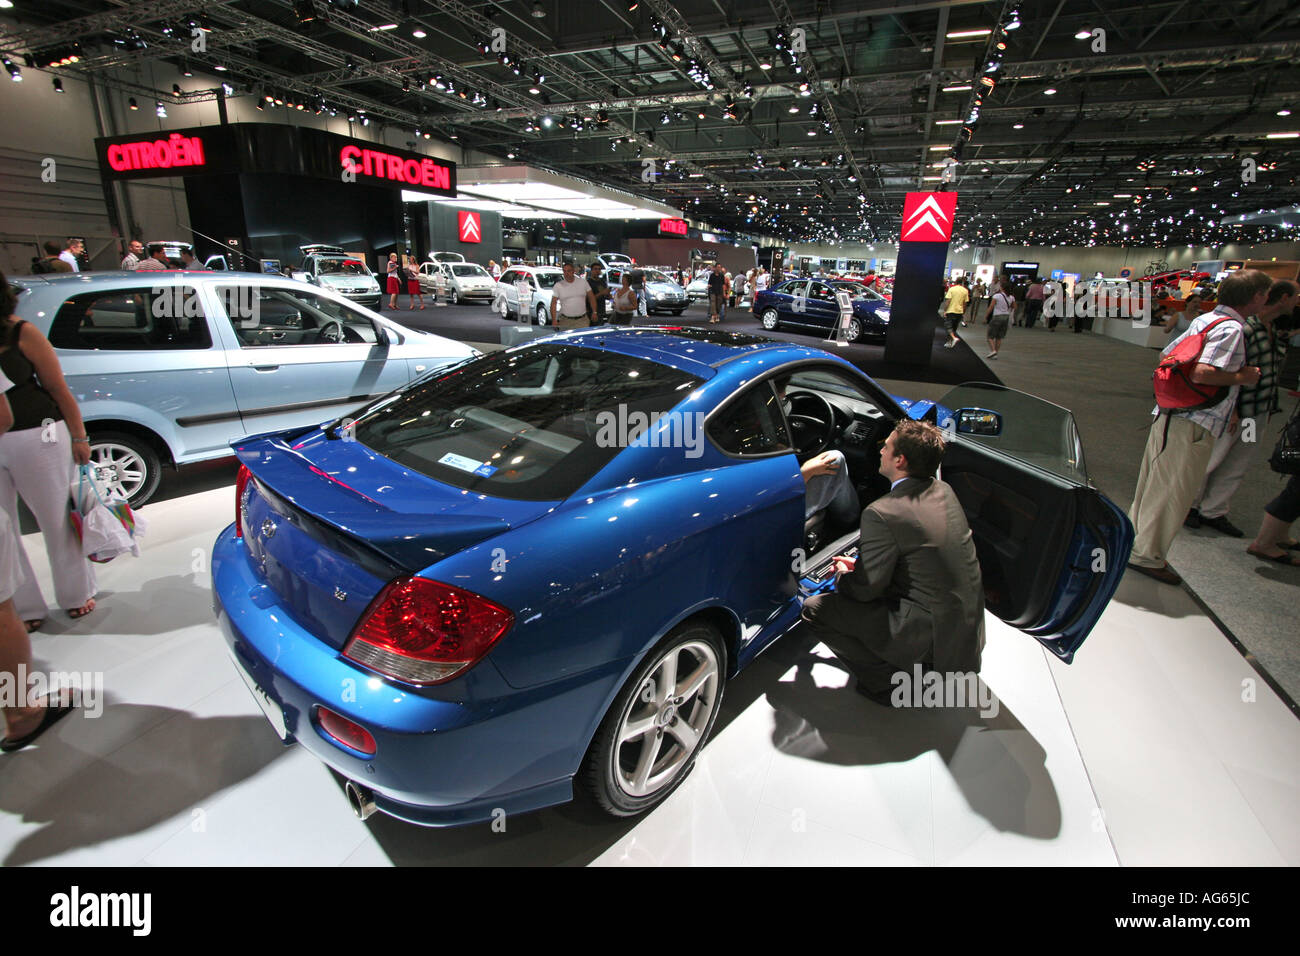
[1052, 549]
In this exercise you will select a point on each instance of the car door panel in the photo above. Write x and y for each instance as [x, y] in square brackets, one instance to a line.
[1051, 550]
[285, 375]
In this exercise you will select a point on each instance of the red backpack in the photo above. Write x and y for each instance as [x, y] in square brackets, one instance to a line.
[1174, 388]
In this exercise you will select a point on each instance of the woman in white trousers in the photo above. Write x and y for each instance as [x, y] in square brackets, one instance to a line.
[38, 459]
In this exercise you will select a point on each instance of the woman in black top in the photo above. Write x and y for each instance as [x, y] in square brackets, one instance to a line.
[38, 456]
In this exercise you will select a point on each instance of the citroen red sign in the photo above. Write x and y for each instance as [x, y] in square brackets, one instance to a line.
[381, 165]
[469, 227]
[927, 217]
[674, 227]
[175, 150]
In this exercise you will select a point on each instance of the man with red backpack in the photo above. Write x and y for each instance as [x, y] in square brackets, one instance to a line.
[1196, 386]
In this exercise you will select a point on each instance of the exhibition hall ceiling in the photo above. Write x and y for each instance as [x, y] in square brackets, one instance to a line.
[1058, 122]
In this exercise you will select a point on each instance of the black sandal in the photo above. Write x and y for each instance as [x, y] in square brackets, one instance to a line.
[52, 716]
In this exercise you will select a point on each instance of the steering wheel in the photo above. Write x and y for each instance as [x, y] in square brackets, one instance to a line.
[331, 331]
[812, 423]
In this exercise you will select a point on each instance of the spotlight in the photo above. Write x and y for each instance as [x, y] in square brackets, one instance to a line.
[132, 104]
[304, 10]
[260, 105]
[58, 85]
[631, 7]
[417, 31]
[538, 11]
[161, 110]
[664, 118]
[227, 89]
[176, 89]
[15, 74]
[185, 69]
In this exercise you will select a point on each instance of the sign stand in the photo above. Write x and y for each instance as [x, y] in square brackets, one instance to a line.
[525, 290]
[440, 288]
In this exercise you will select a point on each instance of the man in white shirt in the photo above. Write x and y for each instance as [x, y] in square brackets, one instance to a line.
[132, 259]
[573, 301]
[70, 253]
[1180, 443]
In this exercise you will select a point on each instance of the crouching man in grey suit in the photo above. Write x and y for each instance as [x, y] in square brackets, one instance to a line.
[915, 594]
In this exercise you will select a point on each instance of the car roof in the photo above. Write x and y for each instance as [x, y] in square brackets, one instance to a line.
[698, 351]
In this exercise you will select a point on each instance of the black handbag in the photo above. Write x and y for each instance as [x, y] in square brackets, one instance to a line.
[1285, 459]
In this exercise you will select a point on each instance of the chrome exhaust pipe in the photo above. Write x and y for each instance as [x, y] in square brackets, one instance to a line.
[361, 800]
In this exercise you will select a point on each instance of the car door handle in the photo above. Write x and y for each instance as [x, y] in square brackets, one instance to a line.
[265, 368]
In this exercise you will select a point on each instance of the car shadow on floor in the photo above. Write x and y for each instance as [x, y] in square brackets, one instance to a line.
[106, 798]
[995, 761]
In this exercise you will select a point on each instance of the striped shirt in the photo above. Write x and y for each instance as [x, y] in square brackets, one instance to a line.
[1225, 348]
[1262, 349]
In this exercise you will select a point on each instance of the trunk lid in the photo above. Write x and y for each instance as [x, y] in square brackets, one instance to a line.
[328, 522]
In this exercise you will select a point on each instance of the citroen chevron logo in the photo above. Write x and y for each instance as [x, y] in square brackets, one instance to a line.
[928, 217]
[470, 229]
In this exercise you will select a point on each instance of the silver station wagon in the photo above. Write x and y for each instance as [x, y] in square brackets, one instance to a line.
[170, 367]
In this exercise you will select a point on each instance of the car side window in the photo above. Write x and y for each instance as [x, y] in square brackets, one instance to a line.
[150, 318]
[820, 290]
[268, 316]
[752, 424]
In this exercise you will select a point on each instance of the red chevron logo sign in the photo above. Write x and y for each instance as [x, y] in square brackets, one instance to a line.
[471, 230]
[927, 217]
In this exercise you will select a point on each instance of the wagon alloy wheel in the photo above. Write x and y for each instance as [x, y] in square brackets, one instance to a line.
[123, 465]
[771, 319]
[854, 331]
[655, 729]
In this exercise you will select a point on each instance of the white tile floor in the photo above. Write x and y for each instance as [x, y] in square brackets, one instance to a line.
[1158, 746]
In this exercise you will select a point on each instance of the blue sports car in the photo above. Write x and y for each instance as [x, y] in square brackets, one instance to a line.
[811, 304]
[535, 571]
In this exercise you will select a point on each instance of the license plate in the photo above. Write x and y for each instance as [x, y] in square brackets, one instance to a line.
[270, 708]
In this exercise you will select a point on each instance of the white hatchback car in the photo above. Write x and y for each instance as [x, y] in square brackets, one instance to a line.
[541, 289]
[465, 281]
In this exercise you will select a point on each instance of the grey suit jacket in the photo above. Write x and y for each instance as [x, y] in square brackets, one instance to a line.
[917, 557]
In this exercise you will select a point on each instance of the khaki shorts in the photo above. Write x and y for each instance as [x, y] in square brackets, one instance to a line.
[998, 326]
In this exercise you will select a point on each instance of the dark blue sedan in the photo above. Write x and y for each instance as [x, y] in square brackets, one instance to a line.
[811, 304]
[533, 573]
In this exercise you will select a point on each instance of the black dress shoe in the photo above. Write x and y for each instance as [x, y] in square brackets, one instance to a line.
[1193, 519]
[1223, 525]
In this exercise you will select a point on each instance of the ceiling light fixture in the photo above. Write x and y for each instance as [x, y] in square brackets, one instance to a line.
[968, 34]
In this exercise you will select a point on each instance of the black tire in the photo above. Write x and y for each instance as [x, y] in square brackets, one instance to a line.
[678, 311]
[606, 760]
[542, 317]
[455, 298]
[128, 456]
[770, 319]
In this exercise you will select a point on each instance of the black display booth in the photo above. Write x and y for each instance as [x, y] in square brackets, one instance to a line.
[267, 189]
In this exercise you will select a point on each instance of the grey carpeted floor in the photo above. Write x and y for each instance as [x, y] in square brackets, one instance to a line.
[1107, 384]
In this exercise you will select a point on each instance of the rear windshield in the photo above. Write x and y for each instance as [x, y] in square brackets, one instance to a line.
[524, 425]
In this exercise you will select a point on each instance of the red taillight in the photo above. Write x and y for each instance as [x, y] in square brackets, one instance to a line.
[425, 632]
[241, 482]
[346, 732]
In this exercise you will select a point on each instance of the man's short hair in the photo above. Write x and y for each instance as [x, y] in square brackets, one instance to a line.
[156, 247]
[1280, 289]
[921, 444]
[1242, 286]
[73, 240]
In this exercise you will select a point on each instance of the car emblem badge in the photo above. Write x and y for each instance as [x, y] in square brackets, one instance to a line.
[268, 529]
[340, 594]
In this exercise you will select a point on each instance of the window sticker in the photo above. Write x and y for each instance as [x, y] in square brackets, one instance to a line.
[467, 464]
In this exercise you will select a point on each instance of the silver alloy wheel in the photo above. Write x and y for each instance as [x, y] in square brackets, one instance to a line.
[770, 319]
[118, 469]
[664, 721]
[455, 298]
[854, 330]
[542, 317]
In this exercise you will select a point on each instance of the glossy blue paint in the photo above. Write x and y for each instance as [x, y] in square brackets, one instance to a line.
[657, 536]
[797, 304]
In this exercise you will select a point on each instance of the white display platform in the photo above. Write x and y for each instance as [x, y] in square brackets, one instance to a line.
[1151, 336]
[1142, 752]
